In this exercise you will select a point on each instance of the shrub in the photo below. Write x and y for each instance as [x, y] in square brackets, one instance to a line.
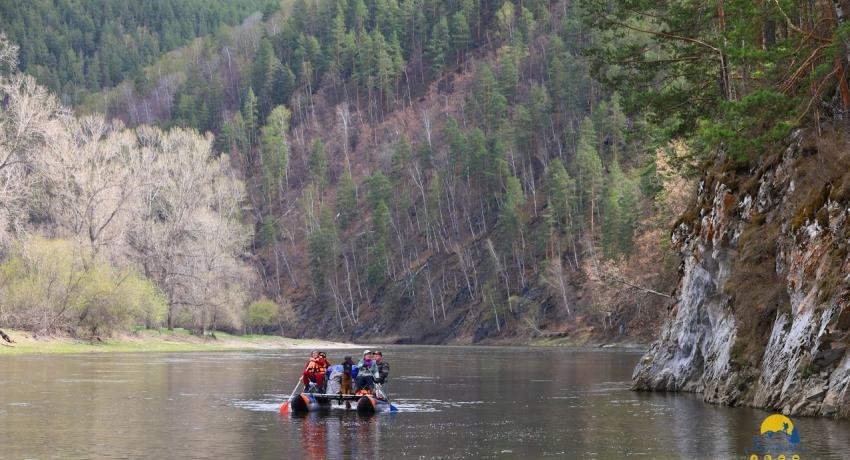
[261, 314]
[48, 285]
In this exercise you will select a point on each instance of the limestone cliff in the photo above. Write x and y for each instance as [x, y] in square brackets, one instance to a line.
[761, 316]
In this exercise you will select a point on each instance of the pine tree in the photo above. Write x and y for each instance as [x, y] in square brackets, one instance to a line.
[613, 221]
[268, 232]
[425, 156]
[323, 247]
[459, 34]
[283, 86]
[438, 45]
[379, 189]
[359, 15]
[510, 217]
[250, 117]
[263, 71]
[588, 168]
[487, 100]
[508, 75]
[400, 161]
[275, 150]
[346, 200]
[338, 36]
[457, 146]
[318, 164]
[562, 195]
[377, 269]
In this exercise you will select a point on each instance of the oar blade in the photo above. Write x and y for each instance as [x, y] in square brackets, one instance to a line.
[284, 409]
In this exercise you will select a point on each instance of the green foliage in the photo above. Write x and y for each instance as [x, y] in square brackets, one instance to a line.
[377, 269]
[380, 189]
[346, 200]
[438, 45]
[53, 284]
[93, 44]
[267, 234]
[562, 195]
[588, 167]
[400, 161]
[275, 150]
[250, 117]
[261, 313]
[510, 216]
[425, 155]
[318, 164]
[263, 74]
[619, 213]
[749, 127]
[487, 100]
[731, 75]
[459, 33]
[323, 247]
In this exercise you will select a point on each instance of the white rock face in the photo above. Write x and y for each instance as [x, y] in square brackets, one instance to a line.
[804, 367]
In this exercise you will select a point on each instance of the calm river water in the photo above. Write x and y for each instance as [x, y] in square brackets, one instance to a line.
[454, 402]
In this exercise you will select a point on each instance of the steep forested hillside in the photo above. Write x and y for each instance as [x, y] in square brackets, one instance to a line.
[430, 170]
[74, 46]
[421, 170]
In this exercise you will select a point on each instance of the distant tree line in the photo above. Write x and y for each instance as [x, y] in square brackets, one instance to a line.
[73, 46]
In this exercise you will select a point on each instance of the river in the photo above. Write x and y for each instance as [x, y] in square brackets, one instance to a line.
[454, 402]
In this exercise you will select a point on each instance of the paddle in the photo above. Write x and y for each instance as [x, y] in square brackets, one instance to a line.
[379, 387]
[285, 407]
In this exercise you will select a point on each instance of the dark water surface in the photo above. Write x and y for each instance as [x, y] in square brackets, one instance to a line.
[454, 402]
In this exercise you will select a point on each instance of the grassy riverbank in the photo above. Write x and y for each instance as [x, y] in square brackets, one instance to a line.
[178, 340]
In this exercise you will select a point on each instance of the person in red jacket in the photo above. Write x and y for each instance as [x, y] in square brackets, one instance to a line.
[315, 369]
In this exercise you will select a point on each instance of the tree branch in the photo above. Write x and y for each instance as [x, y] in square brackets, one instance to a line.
[644, 289]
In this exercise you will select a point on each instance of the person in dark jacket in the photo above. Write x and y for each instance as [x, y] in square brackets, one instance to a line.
[383, 369]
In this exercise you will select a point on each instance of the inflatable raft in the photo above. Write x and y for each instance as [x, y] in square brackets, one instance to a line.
[306, 402]
[314, 402]
[372, 405]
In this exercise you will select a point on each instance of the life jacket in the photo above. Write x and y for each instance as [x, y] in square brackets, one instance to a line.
[323, 364]
[317, 365]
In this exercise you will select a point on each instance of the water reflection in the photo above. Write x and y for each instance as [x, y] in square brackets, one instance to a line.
[338, 434]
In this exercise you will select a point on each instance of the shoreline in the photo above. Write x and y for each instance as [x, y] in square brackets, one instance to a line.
[157, 341]
[181, 340]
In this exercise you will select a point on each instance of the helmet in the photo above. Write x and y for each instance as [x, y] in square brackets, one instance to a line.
[367, 352]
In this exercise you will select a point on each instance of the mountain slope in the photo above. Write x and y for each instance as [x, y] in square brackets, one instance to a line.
[431, 157]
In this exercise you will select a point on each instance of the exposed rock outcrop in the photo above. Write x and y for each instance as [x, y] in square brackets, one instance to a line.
[762, 316]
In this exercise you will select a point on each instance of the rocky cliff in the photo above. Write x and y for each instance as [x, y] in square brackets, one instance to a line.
[762, 311]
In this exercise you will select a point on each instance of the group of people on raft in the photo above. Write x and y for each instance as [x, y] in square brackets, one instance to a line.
[346, 378]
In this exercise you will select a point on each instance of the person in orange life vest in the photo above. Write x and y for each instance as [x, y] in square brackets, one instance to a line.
[315, 369]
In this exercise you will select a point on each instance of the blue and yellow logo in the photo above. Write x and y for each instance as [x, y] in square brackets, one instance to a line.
[778, 439]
